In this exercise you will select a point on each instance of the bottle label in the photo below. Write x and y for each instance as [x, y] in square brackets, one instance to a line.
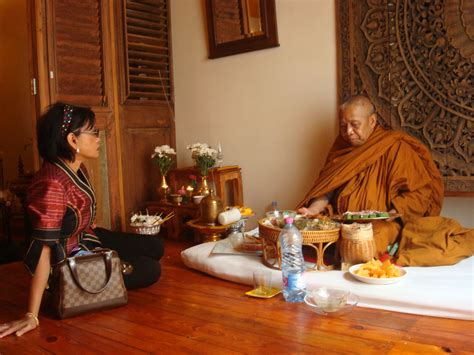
[295, 282]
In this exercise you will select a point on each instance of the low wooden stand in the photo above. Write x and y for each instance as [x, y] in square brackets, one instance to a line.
[205, 233]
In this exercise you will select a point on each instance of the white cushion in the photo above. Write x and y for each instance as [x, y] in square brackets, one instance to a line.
[441, 291]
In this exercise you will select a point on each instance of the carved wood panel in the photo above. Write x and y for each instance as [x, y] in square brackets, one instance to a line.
[415, 59]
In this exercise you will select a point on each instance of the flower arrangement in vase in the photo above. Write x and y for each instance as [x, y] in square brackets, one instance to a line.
[205, 158]
[163, 157]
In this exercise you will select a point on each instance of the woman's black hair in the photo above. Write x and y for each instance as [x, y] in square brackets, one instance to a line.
[54, 126]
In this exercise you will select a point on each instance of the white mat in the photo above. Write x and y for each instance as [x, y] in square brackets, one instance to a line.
[442, 291]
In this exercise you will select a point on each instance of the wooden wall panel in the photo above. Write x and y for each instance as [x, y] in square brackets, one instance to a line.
[146, 97]
[141, 176]
[415, 61]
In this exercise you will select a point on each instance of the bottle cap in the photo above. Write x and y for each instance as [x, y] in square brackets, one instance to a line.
[289, 220]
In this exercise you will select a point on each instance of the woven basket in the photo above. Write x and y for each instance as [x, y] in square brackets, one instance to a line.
[314, 238]
[357, 244]
[146, 230]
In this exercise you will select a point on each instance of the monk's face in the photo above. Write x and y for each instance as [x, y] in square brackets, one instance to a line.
[357, 123]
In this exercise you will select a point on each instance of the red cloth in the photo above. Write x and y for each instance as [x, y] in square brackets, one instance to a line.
[61, 206]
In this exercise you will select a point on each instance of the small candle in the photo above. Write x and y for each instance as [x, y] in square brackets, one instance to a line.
[189, 191]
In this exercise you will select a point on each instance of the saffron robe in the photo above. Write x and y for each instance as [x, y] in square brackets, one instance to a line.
[391, 170]
[61, 207]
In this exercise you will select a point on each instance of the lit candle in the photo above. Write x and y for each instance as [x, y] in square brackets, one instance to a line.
[189, 191]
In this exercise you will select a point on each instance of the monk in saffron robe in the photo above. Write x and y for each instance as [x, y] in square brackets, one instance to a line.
[371, 168]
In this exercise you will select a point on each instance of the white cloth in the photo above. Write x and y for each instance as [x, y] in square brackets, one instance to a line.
[441, 291]
[228, 217]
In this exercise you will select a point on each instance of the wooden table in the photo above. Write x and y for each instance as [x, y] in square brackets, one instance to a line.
[191, 312]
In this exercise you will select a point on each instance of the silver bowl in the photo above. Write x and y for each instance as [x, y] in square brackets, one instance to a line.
[146, 230]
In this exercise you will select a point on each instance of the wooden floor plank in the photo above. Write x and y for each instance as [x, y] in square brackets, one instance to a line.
[191, 312]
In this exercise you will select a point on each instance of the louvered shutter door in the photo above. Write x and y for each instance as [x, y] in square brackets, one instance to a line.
[147, 54]
[77, 67]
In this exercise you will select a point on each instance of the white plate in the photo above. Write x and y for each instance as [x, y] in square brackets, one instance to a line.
[375, 281]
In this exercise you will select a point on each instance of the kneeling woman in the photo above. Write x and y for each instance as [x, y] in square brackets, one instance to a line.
[61, 207]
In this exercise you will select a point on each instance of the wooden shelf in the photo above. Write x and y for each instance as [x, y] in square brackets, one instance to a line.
[227, 181]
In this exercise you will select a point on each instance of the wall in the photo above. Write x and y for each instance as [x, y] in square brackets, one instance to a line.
[274, 111]
[15, 124]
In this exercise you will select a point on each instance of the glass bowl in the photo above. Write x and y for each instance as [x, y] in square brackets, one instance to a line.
[330, 301]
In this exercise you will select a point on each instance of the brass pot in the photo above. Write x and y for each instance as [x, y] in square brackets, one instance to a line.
[211, 206]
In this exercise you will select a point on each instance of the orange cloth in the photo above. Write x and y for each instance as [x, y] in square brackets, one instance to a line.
[447, 243]
[390, 170]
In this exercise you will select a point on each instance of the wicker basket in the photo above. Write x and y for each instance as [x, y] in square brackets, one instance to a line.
[146, 230]
[357, 244]
[319, 240]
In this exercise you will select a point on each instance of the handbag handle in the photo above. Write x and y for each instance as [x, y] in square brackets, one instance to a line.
[107, 255]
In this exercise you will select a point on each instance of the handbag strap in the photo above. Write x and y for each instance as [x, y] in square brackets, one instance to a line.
[107, 255]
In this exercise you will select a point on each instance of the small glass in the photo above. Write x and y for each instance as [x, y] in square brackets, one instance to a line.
[262, 282]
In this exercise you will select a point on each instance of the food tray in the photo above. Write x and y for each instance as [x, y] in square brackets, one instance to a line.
[340, 218]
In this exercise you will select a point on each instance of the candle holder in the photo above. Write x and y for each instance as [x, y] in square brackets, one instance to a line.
[163, 190]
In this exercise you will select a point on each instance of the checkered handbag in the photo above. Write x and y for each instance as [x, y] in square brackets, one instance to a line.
[88, 283]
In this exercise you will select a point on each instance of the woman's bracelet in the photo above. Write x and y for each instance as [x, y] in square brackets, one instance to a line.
[31, 315]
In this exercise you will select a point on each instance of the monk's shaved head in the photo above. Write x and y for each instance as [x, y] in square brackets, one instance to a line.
[357, 120]
[360, 101]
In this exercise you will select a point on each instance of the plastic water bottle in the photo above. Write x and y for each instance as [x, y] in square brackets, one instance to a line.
[274, 206]
[292, 262]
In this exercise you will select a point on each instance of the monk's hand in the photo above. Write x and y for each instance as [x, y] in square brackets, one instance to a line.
[19, 326]
[303, 211]
[392, 211]
[309, 211]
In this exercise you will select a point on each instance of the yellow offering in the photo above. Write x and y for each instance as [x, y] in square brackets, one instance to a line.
[377, 269]
[246, 211]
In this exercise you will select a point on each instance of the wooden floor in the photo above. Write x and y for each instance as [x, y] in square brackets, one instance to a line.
[190, 312]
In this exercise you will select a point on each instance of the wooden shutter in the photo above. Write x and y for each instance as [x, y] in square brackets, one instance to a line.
[146, 94]
[147, 50]
[76, 68]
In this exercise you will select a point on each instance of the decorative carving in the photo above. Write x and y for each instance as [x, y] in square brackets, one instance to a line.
[415, 60]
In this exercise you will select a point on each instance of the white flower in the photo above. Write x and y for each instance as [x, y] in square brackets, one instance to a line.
[200, 149]
[203, 155]
[163, 150]
[142, 220]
